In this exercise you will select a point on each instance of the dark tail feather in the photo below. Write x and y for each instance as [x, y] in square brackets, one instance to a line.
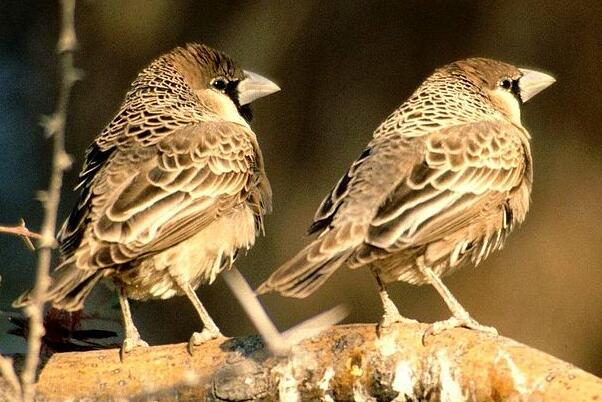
[304, 273]
[70, 287]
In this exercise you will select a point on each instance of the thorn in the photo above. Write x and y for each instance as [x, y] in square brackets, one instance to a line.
[25, 237]
[42, 196]
[77, 74]
[64, 160]
[67, 41]
[52, 124]
[73, 75]
[28, 243]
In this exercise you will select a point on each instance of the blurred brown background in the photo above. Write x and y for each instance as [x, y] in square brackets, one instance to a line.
[343, 67]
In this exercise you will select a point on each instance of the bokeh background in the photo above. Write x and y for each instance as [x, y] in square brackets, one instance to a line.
[343, 67]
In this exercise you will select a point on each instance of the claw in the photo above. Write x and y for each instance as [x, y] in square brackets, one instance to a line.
[456, 322]
[199, 338]
[130, 344]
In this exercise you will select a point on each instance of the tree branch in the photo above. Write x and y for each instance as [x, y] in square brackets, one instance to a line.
[54, 126]
[344, 363]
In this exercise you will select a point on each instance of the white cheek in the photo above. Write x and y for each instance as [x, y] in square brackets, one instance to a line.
[222, 105]
[510, 103]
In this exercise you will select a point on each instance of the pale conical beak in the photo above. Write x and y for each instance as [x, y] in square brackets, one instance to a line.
[254, 87]
[533, 82]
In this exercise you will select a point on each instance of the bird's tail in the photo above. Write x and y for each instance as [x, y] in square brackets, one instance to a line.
[69, 288]
[306, 272]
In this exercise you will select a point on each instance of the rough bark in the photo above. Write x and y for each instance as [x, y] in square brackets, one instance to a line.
[344, 363]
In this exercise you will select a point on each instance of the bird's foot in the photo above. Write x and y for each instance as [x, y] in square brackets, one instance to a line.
[391, 315]
[390, 318]
[130, 344]
[199, 338]
[456, 322]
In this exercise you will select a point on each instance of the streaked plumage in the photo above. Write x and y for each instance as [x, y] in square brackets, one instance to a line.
[444, 180]
[171, 189]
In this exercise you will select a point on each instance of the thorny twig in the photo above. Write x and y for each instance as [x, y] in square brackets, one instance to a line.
[22, 231]
[8, 373]
[54, 127]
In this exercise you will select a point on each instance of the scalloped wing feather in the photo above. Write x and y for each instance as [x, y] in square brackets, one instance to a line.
[148, 198]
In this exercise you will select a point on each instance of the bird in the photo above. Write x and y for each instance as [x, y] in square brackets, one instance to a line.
[170, 191]
[443, 181]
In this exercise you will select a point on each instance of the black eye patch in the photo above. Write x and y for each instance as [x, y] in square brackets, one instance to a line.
[231, 90]
[246, 113]
[512, 86]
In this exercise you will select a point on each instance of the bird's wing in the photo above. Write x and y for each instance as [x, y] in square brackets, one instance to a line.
[467, 170]
[382, 164]
[147, 198]
[134, 124]
[331, 203]
[344, 216]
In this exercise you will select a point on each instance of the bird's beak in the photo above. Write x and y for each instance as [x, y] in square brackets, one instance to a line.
[254, 87]
[532, 83]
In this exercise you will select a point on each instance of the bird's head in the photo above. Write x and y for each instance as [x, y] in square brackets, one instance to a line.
[506, 86]
[221, 85]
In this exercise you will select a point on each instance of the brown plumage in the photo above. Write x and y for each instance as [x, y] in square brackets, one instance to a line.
[444, 180]
[170, 190]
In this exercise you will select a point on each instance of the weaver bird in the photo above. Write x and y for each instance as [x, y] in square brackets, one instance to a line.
[444, 180]
[170, 191]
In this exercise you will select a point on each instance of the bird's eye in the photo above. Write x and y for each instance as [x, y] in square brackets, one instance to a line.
[219, 83]
[506, 83]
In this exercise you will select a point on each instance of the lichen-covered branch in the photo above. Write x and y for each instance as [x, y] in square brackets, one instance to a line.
[54, 127]
[343, 363]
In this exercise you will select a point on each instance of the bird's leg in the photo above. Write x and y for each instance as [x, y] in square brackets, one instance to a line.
[460, 317]
[210, 330]
[132, 336]
[391, 314]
